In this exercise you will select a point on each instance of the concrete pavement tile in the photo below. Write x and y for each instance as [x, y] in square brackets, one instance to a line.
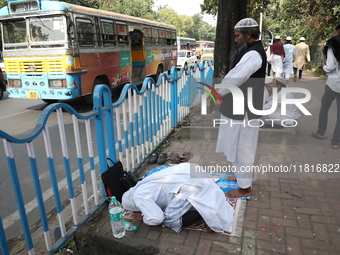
[298, 232]
[193, 238]
[320, 231]
[293, 245]
[204, 247]
[182, 249]
[304, 221]
[226, 247]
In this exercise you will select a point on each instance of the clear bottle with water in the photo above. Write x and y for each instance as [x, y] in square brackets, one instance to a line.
[129, 226]
[116, 218]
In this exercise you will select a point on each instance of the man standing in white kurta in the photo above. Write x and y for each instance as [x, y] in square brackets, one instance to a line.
[237, 139]
[277, 55]
[289, 49]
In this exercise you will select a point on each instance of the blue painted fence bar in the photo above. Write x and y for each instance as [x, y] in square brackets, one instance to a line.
[67, 152]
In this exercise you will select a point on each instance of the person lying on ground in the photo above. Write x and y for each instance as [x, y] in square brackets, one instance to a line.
[174, 198]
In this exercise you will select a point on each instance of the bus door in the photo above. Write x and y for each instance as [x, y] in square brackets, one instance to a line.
[138, 55]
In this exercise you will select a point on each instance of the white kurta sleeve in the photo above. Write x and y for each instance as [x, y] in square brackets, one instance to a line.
[248, 65]
[331, 63]
[152, 213]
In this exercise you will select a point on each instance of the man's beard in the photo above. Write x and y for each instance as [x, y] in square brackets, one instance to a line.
[237, 54]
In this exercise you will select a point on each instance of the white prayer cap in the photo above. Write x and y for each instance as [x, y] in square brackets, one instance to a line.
[288, 38]
[128, 202]
[268, 79]
[302, 39]
[277, 37]
[247, 22]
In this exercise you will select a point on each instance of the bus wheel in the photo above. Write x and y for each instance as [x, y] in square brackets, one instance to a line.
[89, 98]
[159, 71]
[50, 101]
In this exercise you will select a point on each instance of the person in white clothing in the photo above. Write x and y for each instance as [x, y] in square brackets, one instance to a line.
[276, 118]
[269, 66]
[167, 197]
[332, 90]
[236, 139]
[277, 56]
[289, 50]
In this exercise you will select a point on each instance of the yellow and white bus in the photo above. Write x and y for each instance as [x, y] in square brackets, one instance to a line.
[55, 50]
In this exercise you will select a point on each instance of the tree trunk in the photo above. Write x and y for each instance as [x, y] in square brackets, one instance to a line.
[229, 13]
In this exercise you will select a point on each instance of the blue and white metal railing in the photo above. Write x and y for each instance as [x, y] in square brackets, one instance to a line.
[128, 130]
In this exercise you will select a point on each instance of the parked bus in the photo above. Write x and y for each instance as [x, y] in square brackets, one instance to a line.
[55, 50]
[201, 45]
[184, 43]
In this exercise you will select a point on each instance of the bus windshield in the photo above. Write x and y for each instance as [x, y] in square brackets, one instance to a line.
[46, 29]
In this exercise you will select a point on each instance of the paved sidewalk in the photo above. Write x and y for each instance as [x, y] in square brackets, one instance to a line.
[296, 213]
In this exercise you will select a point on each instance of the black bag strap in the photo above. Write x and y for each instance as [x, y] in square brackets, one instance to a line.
[108, 159]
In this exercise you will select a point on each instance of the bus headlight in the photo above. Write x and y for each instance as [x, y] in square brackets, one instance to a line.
[42, 83]
[27, 83]
[14, 83]
[58, 83]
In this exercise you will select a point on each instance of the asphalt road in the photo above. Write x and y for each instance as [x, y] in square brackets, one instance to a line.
[17, 118]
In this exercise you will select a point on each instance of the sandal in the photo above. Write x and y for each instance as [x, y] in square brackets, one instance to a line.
[153, 158]
[335, 145]
[161, 159]
[175, 159]
[317, 135]
[185, 156]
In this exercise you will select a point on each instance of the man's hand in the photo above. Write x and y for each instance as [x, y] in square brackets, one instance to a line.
[137, 216]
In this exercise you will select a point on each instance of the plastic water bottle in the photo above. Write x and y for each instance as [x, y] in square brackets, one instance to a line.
[128, 226]
[116, 218]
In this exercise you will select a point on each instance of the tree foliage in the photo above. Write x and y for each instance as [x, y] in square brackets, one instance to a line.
[319, 16]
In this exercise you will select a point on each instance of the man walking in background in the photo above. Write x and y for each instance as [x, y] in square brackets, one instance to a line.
[277, 54]
[289, 49]
[238, 142]
[301, 57]
[332, 90]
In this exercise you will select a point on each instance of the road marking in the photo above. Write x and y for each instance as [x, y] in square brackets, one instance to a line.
[14, 114]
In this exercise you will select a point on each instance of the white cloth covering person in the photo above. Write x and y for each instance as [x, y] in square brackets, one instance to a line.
[165, 196]
[292, 112]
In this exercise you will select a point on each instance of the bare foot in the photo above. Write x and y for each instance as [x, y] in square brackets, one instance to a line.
[231, 178]
[239, 192]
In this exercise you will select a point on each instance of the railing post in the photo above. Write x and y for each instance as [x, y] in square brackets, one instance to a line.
[100, 92]
[3, 243]
[173, 96]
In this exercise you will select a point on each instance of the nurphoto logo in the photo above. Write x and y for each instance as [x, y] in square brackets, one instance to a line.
[239, 101]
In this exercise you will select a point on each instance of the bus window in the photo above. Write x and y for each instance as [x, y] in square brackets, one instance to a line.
[168, 37]
[147, 36]
[47, 29]
[14, 32]
[122, 34]
[162, 39]
[174, 38]
[107, 33]
[85, 32]
[155, 36]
